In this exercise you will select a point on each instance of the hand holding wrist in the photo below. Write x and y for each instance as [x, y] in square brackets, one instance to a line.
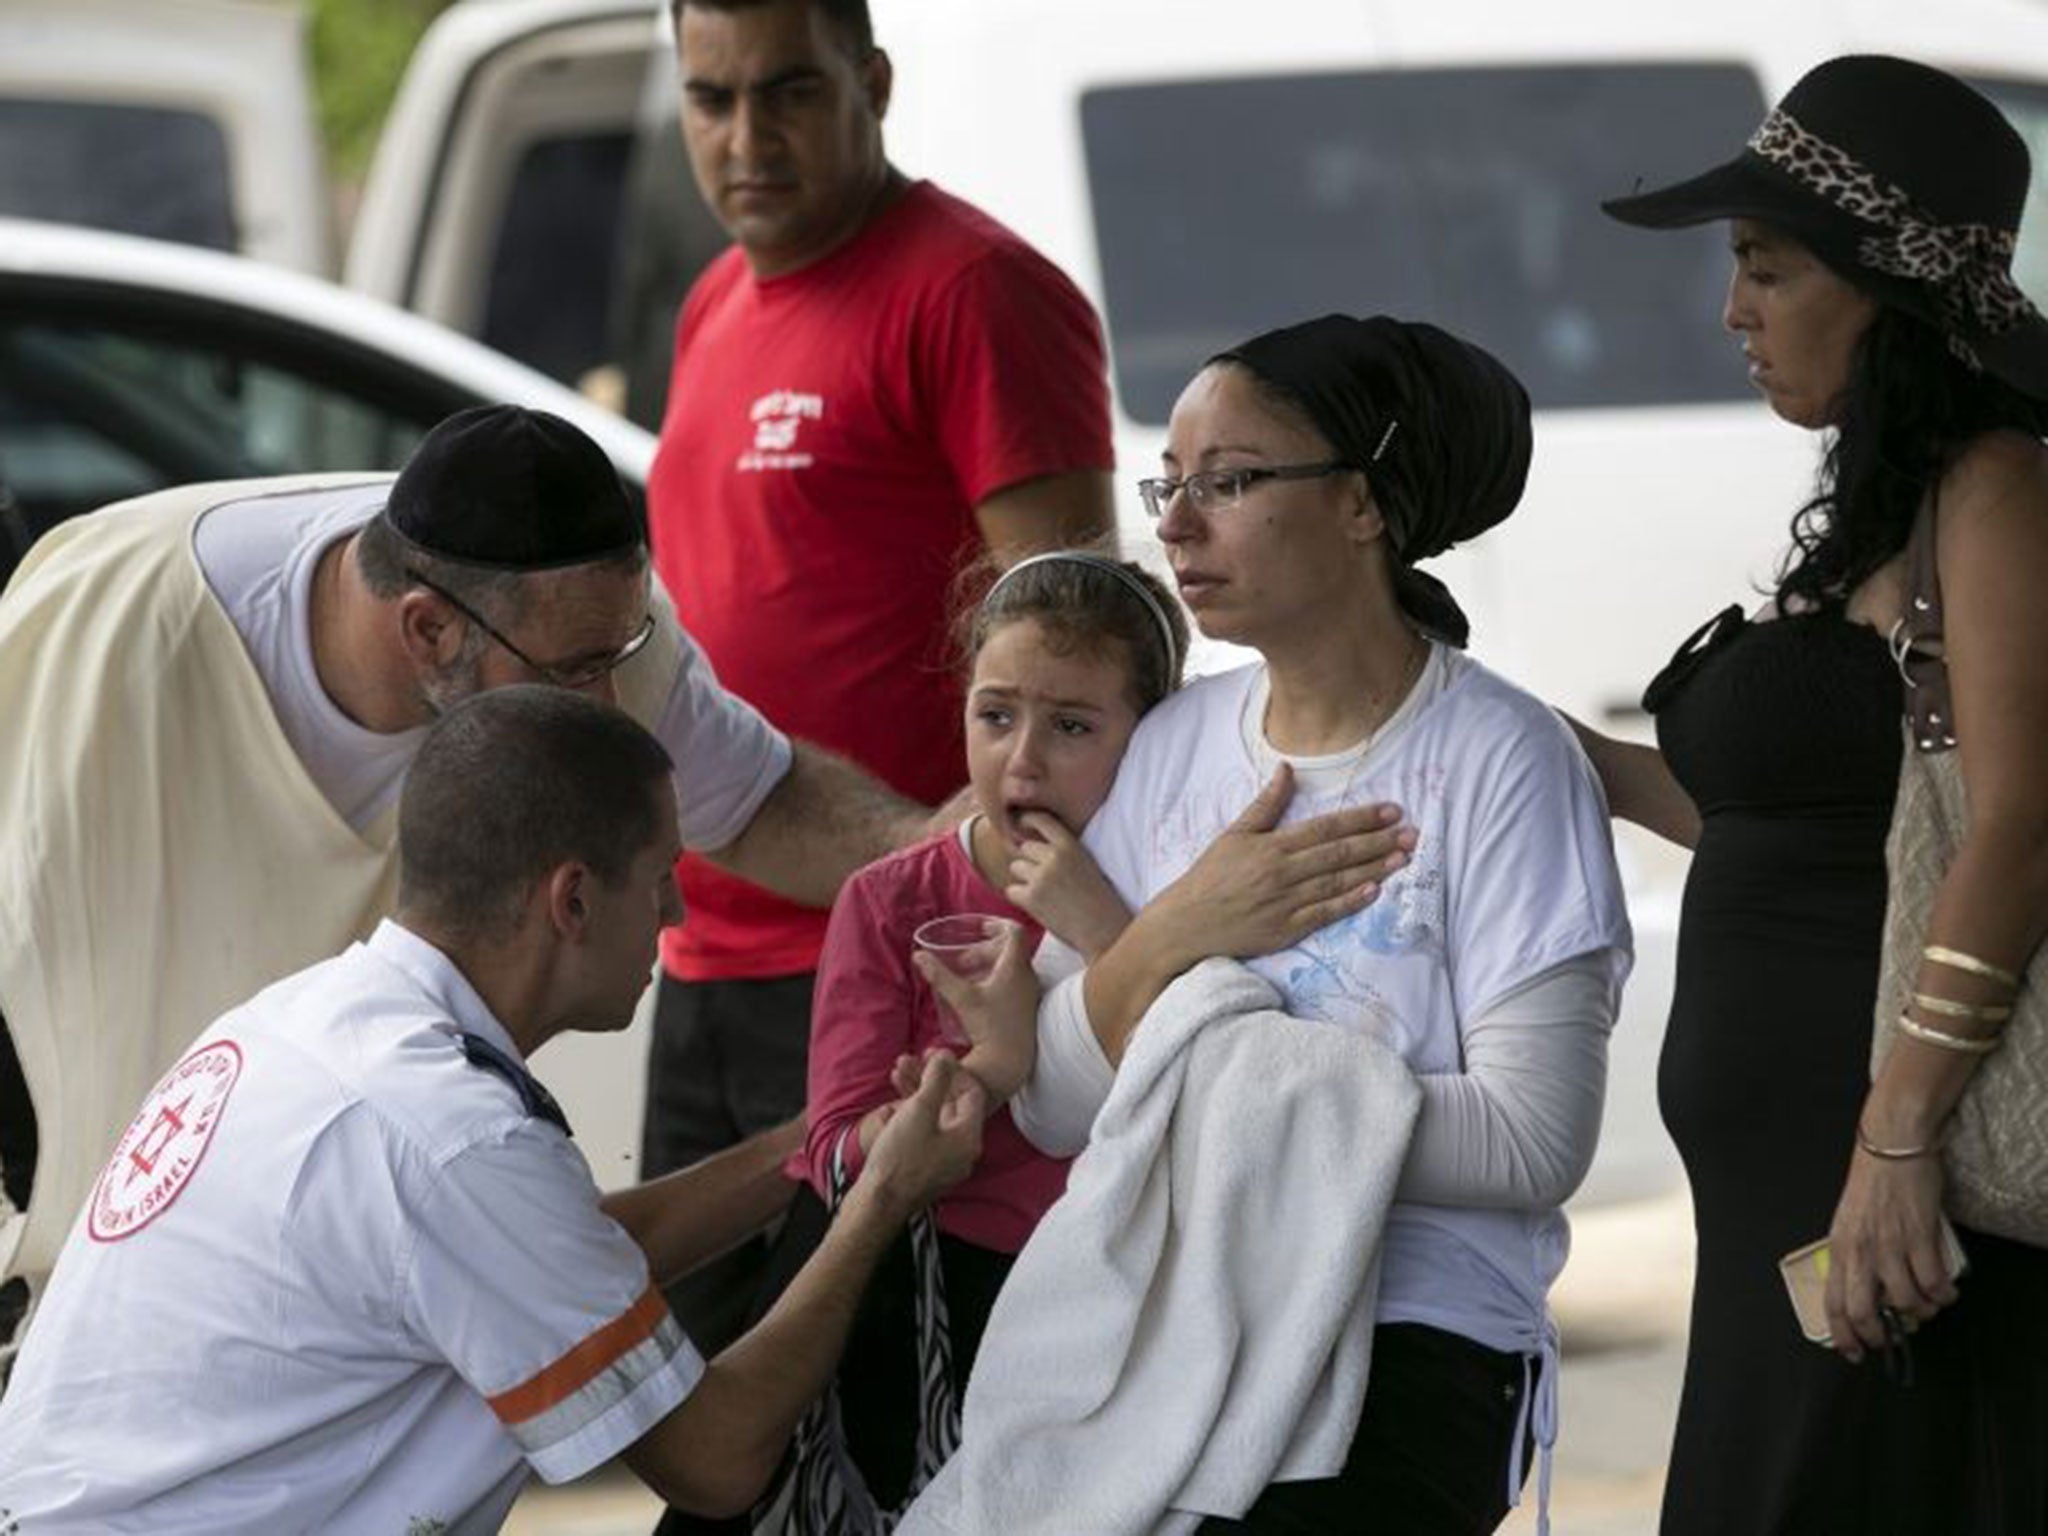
[877, 1201]
[928, 1144]
[999, 1068]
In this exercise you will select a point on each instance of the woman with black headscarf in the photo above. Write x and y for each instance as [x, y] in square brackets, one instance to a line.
[1307, 472]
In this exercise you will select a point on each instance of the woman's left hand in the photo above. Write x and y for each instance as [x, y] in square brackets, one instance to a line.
[1886, 1250]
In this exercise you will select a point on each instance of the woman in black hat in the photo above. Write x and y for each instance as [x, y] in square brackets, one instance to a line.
[1306, 473]
[1873, 218]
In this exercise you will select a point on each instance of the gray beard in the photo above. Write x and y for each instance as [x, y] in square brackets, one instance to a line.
[448, 686]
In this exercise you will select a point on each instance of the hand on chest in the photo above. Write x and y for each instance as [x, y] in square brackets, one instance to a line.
[1384, 968]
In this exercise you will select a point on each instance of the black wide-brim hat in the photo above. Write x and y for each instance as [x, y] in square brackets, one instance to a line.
[1905, 181]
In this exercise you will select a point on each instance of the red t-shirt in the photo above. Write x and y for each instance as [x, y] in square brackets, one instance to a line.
[828, 435]
[872, 1007]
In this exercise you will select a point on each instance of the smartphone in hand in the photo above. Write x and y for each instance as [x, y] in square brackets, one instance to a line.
[1806, 1280]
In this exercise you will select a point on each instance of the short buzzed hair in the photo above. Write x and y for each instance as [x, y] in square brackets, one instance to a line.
[849, 18]
[511, 785]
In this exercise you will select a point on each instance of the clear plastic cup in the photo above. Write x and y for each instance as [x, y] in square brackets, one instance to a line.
[968, 944]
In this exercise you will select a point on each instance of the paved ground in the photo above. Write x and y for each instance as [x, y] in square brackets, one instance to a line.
[1621, 1308]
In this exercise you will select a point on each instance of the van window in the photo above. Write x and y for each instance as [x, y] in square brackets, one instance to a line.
[1469, 197]
[554, 262]
[2025, 104]
[138, 170]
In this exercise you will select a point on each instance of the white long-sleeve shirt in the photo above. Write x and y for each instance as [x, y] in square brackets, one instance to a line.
[1492, 963]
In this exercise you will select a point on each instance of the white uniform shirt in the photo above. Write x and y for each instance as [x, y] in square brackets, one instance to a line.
[259, 554]
[335, 1278]
[1513, 877]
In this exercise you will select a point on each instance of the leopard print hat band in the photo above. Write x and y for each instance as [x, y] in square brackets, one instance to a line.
[1968, 267]
[1901, 174]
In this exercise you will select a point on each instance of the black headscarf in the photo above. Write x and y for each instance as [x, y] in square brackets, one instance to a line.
[1458, 452]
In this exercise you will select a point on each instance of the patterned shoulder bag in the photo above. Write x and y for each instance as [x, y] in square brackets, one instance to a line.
[1996, 1156]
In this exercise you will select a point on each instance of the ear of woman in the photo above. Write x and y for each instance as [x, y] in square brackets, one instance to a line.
[1368, 523]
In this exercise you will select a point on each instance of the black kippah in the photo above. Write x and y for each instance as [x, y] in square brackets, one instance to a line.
[513, 489]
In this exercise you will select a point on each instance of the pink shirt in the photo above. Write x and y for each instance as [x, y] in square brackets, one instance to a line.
[871, 1007]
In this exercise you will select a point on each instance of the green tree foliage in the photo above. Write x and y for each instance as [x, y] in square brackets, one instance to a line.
[360, 48]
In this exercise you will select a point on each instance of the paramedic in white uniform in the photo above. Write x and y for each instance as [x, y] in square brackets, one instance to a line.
[347, 1271]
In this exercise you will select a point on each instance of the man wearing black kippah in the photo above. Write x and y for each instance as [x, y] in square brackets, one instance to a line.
[213, 695]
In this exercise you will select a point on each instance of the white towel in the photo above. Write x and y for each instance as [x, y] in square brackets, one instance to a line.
[1193, 1319]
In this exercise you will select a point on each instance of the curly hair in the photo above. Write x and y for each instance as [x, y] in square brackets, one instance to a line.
[1912, 406]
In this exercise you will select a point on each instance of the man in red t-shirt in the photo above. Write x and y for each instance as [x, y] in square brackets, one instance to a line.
[875, 381]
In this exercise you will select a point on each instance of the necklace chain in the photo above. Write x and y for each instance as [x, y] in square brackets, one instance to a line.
[1411, 673]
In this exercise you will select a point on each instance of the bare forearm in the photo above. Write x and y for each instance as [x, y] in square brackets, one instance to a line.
[1640, 785]
[1653, 798]
[1127, 978]
[715, 1454]
[1993, 905]
[689, 1217]
[781, 1364]
[824, 820]
[1060, 511]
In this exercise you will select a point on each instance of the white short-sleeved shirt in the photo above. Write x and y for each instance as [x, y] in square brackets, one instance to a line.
[259, 556]
[1514, 875]
[335, 1278]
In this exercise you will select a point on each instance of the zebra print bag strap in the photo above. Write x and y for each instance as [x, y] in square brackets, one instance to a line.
[842, 1181]
[938, 1407]
[823, 1492]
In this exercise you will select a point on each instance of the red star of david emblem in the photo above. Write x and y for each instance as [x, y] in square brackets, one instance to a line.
[170, 1120]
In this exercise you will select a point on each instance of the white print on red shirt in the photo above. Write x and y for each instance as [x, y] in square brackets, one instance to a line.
[778, 416]
[162, 1147]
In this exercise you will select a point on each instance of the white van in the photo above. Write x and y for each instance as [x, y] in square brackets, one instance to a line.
[1207, 168]
[496, 203]
[186, 120]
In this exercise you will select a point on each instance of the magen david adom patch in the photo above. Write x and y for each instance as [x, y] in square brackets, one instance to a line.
[163, 1145]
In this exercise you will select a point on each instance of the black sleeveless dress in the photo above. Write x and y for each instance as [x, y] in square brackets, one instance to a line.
[1787, 736]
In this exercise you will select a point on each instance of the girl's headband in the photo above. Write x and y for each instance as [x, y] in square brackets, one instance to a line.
[1168, 646]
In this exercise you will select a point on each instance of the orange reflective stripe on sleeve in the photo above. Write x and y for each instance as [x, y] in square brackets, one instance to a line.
[584, 1363]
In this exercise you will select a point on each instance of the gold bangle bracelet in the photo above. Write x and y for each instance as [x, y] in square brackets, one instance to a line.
[1913, 1028]
[1949, 1008]
[1955, 959]
[1895, 1154]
